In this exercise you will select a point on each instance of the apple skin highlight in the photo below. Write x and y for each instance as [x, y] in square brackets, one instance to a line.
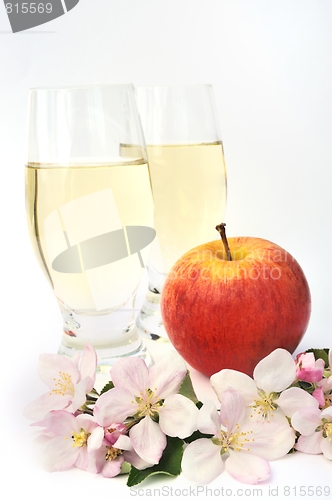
[221, 313]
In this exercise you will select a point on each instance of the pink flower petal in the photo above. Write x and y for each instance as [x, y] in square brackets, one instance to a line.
[318, 394]
[148, 440]
[112, 468]
[88, 364]
[201, 461]
[82, 460]
[51, 365]
[247, 468]
[61, 423]
[233, 410]
[37, 409]
[59, 454]
[130, 374]
[114, 406]
[166, 376]
[178, 416]
[275, 372]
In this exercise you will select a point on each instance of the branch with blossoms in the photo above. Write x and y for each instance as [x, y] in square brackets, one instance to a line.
[148, 420]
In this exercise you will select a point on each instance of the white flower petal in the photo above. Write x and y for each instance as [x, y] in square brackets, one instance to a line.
[293, 399]
[208, 420]
[247, 468]
[81, 390]
[130, 374]
[114, 406]
[166, 376]
[326, 447]
[238, 381]
[178, 416]
[327, 413]
[268, 439]
[306, 420]
[310, 444]
[201, 461]
[123, 443]
[134, 459]
[275, 372]
[95, 440]
[148, 440]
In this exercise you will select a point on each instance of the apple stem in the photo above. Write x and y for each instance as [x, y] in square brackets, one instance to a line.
[221, 230]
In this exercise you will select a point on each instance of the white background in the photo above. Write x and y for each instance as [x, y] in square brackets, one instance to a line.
[270, 63]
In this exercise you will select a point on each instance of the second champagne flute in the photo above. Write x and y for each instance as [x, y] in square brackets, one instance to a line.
[188, 176]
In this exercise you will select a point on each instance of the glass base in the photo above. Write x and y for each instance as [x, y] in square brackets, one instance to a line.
[113, 336]
[149, 321]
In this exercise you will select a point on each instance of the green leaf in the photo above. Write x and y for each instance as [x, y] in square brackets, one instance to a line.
[197, 435]
[170, 463]
[187, 389]
[107, 387]
[321, 354]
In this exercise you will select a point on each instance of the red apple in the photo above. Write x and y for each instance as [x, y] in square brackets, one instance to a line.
[222, 313]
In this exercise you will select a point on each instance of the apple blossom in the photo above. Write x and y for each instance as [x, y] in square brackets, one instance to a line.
[268, 393]
[69, 381]
[116, 450]
[308, 369]
[70, 440]
[148, 400]
[315, 427]
[246, 444]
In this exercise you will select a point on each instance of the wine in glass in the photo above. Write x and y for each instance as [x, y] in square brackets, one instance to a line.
[188, 175]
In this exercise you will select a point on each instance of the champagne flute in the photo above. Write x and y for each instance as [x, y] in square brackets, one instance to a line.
[90, 212]
[188, 175]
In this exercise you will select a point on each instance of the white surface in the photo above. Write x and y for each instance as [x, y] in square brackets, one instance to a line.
[270, 65]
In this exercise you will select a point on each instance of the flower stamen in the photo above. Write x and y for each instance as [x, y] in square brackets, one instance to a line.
[148, 404]
[266, 405]
[63, 385]
[238, 441]
[327, 430]
[80, 438]
[112, 453]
